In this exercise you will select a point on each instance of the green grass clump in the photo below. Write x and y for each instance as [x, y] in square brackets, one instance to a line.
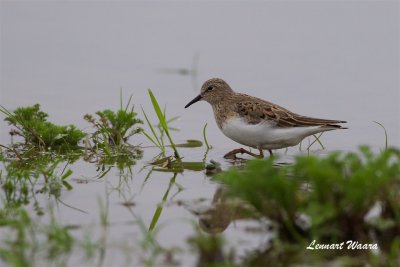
[32, 125]
[108, 144]
[115, 128]
[334, 194]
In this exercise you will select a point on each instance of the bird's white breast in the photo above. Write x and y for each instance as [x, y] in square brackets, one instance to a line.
[265, 134]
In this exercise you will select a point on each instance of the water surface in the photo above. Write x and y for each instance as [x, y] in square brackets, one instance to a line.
[329, 59]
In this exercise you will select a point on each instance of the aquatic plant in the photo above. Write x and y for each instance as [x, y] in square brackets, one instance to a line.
[37, 174]
[164, 126]
[208, 147]
[157, 133]
[386, 135]
[114, 128]
[108, 144]
[162, 162]
[31, 124]
[210, 250]
[326, 199]
[51, 241]
[160, 207]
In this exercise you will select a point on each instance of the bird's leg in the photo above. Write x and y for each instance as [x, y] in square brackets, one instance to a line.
[270, 153]
[232, 154]
[261, 156]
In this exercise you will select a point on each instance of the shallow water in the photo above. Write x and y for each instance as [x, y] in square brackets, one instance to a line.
[337, 60]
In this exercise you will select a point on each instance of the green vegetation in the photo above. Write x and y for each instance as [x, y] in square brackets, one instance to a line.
[163, 162]
[39, 168]
[31, 124]
[31, 240]
[209, 250]
[108, 144]
[324, 199]
[157, 137]
[310, 144]
[332, 199]
[159, 209]
[386, 135]
[114, 128]
[36, 173]
[205, 137]
[164, 125]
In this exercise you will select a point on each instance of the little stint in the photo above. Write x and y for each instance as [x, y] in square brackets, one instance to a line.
[257, 123]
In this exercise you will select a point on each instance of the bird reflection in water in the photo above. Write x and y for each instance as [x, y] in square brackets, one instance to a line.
[216, 218]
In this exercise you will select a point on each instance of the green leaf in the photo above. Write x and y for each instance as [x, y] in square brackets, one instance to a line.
[67, 185]
[67, 174]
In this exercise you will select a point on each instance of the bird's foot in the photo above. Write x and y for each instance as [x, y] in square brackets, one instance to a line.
[232, 154]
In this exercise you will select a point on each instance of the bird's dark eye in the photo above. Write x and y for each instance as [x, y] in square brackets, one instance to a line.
[209, 88]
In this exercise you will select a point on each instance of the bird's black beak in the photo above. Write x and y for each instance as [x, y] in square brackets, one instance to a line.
[196, 99]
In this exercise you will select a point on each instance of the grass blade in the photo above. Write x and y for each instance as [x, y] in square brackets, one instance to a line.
[205, 138]
[153, 132]
[386, 136]
[159, 209]
[163, 122]
[315, 140]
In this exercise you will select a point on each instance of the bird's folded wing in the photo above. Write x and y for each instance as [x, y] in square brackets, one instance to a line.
[258, 110]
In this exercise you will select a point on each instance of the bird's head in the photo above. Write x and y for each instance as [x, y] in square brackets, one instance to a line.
[213, 91]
